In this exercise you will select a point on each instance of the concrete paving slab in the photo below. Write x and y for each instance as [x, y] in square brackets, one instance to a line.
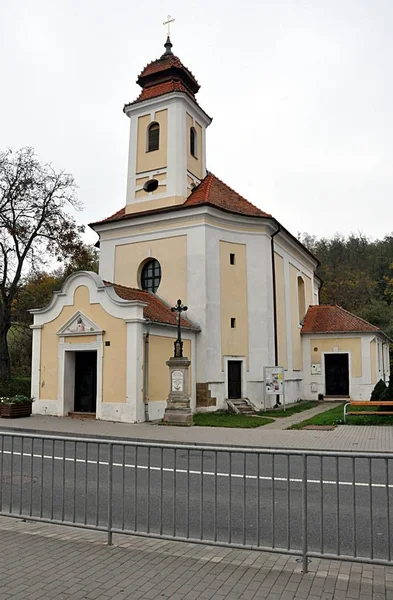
[40, 561]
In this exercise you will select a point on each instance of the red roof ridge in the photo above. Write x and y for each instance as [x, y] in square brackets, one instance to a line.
[240, 196]
[209, 184]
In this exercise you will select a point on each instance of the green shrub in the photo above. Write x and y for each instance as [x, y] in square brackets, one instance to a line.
[17, 386]
[378, 390]
[388, 393]
[15, 400]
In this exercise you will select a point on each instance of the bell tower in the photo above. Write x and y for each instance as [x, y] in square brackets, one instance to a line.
[167, 146]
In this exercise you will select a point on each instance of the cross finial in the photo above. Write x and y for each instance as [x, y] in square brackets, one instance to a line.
[168, 22]
[178, 309]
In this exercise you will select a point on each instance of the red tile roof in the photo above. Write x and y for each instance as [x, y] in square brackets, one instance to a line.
[330, 318]
[166, 62]
[156, 310]
[211, 192]
[165, 75]
[167, 87]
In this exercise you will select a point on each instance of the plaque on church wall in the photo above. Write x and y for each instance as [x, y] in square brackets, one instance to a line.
[177, 381]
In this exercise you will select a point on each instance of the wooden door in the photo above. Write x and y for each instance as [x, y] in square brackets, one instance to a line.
[85, 381]
[234, 379]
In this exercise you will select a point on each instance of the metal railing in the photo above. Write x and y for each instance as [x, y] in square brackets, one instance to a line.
[309, 504]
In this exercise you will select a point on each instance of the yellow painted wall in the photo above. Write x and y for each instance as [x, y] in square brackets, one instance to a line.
[351, 345]
[135, 207]
[147, 161]
[140, 194]
[297, 358]
[172, 256]
[80, 339]
[233, 280]
[114, 363]
[281, 314]
[160, 350]
[194, 165]
[373, 361]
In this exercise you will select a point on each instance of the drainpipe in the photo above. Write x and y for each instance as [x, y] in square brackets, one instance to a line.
[146, 373]
[275, 335]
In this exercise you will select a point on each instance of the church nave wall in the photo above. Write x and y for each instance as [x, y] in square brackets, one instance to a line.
[171, 253]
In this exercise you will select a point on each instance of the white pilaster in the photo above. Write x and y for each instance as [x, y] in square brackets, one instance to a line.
[36, 361]
[134, 381]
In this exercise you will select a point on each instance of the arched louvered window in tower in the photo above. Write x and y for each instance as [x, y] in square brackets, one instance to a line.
[193, 142]
[153, 137]
[301, 298]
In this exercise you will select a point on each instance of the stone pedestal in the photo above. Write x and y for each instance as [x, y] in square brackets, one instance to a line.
[178, 410]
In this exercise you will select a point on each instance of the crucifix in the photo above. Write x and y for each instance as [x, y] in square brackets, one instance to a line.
[168, 22]
[178, 309]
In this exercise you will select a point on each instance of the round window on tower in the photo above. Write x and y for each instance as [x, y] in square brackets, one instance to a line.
[151, 276]
[151, 185]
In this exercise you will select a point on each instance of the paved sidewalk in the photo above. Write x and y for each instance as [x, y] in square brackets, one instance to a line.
[43, 562]
[350, 438]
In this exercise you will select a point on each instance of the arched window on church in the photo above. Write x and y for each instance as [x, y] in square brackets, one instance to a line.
[193, 142]
[301, 299]
[151, 275]
[153, 137]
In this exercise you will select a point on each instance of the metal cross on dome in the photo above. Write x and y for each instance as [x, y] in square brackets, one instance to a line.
[168, 22]
[178, 309]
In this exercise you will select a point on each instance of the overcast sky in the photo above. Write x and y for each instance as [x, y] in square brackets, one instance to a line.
[301, 95]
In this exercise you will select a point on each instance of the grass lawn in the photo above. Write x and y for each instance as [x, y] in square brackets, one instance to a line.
[229, 420]
[335, 416]
[291, 410]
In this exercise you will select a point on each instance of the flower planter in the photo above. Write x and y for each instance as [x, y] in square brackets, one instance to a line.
[15, 410]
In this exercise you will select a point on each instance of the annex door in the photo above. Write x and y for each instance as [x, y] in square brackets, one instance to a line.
[85, 381]
[234, 379]
[337, 374]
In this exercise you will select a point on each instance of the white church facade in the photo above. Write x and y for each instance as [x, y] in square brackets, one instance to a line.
[251, 288]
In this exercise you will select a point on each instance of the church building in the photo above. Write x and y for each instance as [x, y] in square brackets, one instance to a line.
[251, 288]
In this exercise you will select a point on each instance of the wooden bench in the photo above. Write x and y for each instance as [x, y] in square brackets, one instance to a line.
[368, 403]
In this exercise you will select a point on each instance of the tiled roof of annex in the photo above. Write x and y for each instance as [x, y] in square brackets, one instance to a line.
[156, 310]
[210, 192]
[330, 318]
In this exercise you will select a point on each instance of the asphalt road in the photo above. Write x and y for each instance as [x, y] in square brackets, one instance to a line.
[248, 498]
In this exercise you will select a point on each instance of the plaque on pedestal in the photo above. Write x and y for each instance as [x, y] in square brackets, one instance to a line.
[178, 410]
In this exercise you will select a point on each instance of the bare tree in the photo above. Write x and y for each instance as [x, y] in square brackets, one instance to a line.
[34, 228]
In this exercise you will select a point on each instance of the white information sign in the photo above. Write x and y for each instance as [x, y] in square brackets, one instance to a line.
[177, 381]
[274, 380]
[274, 383]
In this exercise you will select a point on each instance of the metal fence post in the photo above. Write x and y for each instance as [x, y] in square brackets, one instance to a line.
[110, 492]
[304, 513]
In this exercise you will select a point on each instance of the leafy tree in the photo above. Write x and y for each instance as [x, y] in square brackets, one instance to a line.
[35, 227]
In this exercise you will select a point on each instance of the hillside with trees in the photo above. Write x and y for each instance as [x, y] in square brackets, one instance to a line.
[357, 274]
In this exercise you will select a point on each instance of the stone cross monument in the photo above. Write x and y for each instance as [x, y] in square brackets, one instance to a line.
[178, 409]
